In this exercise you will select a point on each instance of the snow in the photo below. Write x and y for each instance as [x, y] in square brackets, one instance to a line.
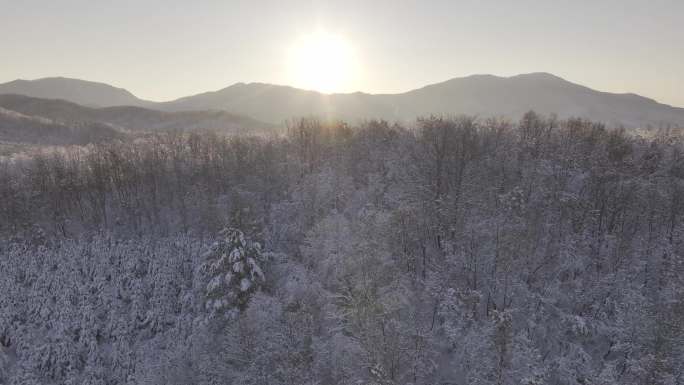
[372, 255]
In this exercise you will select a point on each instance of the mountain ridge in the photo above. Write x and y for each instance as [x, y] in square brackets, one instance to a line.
[84, 92]
[479, 94]
[130, 118]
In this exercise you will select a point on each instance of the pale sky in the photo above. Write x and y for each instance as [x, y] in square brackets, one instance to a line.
[165, 49]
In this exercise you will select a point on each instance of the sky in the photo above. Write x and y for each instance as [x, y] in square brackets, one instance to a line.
[165, 49]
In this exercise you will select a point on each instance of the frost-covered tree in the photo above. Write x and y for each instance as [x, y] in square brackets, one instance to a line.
[464, 251]
[233, 269]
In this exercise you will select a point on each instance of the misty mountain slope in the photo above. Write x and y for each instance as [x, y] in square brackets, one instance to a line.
[275, 103]
[78, 91]
[16, 127]
[487, 95]
[134, 118]
[482, 95]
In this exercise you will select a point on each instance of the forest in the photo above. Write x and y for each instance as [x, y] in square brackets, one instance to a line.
[452, 250]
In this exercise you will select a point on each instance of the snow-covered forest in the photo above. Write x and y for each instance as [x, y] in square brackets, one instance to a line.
[454, 251]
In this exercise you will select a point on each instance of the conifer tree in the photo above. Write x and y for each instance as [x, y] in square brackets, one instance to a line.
[232, 267]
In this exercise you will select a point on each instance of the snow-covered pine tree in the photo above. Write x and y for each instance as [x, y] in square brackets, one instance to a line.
[233, 271]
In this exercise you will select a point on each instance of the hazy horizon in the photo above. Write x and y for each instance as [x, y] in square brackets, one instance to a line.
[165, 50]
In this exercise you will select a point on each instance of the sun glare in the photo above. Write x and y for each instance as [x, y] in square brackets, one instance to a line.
[323, 62]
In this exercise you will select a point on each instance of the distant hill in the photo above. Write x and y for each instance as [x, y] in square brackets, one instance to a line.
[19, 128]
[136, 119]
[487, 95]
[482, 95]
[275, 104]
[78, 91]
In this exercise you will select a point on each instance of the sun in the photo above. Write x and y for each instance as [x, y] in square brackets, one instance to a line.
[324, 62]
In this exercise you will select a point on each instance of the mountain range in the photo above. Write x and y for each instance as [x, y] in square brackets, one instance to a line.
[481, 95]
[24, 129]
[87, 93]
[29, 120]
